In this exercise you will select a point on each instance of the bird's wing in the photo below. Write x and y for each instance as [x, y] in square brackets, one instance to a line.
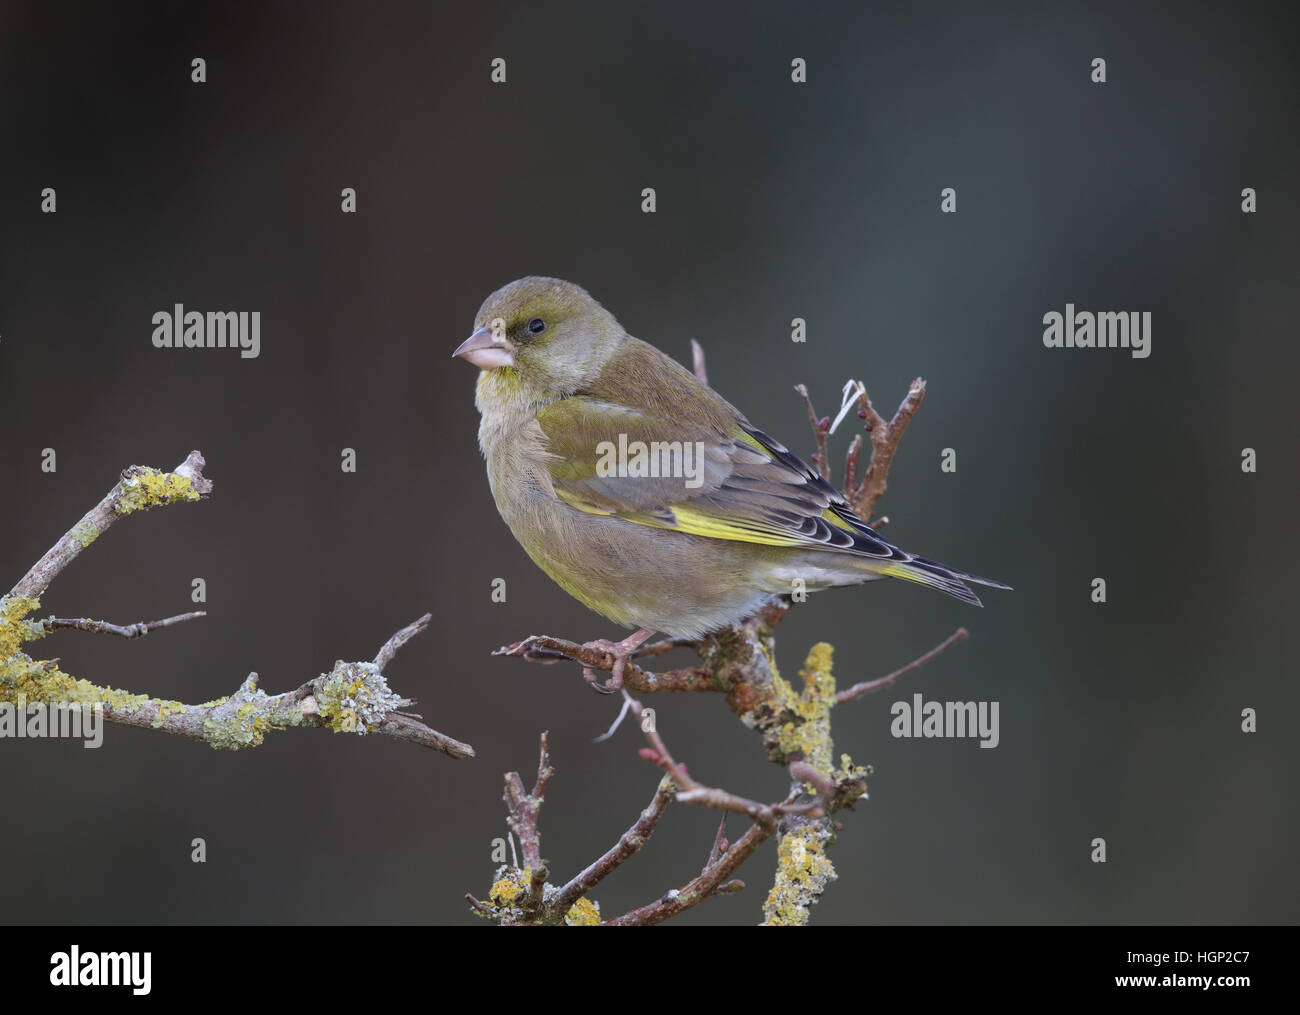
[688, 476]
[732, 483]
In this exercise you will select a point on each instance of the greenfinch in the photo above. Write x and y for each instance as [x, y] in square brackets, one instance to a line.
[642, 492]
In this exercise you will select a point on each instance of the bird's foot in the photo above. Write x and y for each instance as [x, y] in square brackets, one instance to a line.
[622, 651]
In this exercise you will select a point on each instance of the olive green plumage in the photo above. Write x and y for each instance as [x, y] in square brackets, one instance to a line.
[562, 385]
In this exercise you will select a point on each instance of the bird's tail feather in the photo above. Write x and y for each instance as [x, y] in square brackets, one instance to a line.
[939, 576]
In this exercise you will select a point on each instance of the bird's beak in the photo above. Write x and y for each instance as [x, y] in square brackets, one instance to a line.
[486, 351]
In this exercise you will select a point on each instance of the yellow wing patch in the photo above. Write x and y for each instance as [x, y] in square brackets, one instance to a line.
[693, 522]
[702, 523]
[748, 438]
[837, 521]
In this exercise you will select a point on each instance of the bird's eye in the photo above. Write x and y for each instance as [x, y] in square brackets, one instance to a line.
[536, 326]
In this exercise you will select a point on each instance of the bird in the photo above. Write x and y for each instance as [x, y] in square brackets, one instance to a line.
[641, 491]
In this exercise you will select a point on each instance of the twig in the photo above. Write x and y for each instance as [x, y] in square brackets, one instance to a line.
[867, 686]
[104, 627]
[393, 644]
[801, 772]
[884, 443]
[821, 427]
[523, 807]
[482, 908]
[697, 360]
[536, 886]
[697, 890]
[629, 843]
[719, 843]
[139, 489]
[692, 792]
[851, 466]
[412, 731]
[543, 648]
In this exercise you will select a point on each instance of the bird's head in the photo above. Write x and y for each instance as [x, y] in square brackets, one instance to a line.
[541, 337]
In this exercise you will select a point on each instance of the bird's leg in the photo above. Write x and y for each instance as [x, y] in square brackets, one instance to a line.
[622, 651]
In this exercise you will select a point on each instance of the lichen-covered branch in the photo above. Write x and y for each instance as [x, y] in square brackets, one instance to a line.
[803, 867]
[139, 489]
[523, 896]
[351, 697]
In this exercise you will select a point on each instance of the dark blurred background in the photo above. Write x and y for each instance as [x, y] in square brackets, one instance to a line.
[775, 200]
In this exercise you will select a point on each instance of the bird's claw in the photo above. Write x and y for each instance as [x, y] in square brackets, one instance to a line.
[609, 687]
[621, 656]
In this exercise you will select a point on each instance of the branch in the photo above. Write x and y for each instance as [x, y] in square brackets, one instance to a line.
[524, 807]
[821, 427]
[884, 443]
[390, 648]
[104, 627]
[139, 489]
[697, 360]
[628, 845]
[350, 698]
[545, 649]
[737, 662]
[867, 686]
[691, 791]
[522, 896]
[810, 814]
[698, 889]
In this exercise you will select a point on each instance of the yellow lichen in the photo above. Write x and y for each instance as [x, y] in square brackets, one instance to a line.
[803, 872]
[14, 628]
[246, 726]
[507, 889]
[583, 913]
[355, 698]
[151, 488]
[31, 680]
[848, 770]
[806, 732]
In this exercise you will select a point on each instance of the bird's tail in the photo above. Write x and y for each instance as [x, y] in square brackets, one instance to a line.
[938, 576]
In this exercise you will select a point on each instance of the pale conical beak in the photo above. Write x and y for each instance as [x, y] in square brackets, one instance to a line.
[486, 351]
